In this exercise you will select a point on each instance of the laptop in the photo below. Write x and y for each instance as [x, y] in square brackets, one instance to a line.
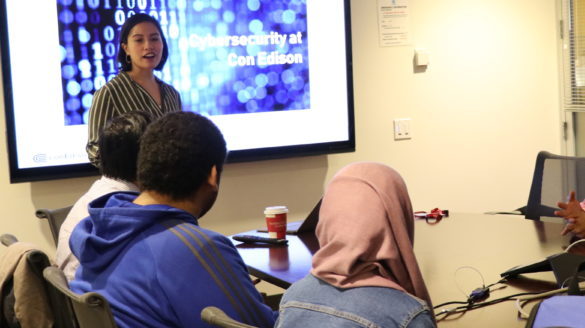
[307, 225]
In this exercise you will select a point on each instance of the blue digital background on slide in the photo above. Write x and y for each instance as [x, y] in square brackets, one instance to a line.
[225, 56]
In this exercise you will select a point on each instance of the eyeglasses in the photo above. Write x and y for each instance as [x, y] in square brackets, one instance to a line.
[434, 216]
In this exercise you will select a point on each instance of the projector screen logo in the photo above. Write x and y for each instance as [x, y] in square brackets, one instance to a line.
[225, 57]
[40, 158]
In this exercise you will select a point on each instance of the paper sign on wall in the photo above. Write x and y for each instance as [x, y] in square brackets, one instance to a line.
[393, 23]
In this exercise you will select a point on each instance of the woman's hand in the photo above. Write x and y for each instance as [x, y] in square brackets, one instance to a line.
[574, 216]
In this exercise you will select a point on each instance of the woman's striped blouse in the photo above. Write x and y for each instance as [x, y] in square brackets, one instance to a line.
[122, 95]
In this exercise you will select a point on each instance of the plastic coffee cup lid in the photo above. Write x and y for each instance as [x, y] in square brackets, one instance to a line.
[275, 210]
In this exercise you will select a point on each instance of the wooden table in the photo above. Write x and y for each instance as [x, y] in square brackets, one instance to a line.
[456, 255]
[280, 265]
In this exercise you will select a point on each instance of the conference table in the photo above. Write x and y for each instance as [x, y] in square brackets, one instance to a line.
[456, 255]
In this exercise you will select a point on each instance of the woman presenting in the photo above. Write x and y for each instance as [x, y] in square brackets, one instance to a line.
[142, 50]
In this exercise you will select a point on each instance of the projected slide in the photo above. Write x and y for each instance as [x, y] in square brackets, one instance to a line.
[225, 57]
[274, 75]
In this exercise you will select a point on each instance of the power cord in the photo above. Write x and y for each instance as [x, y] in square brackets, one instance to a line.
[476, 293]
[521, 300]
[473, 306]
[573, 244]
[527, 298]
[474, 298]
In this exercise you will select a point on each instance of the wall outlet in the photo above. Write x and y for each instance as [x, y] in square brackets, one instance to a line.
[402, 129]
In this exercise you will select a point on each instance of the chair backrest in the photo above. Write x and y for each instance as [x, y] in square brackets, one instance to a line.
[217, 318]
[91, 309]
[554, 177]
[55, 218]
[59, 306]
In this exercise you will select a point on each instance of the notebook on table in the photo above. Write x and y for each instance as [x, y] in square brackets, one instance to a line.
[306, 225]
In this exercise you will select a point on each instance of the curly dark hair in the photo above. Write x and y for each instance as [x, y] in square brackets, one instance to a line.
[126, 28]
[177, 153]
[119, 143]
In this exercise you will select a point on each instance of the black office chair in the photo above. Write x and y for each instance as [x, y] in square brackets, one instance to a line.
[554, 177]
[55, 218]
[91, 309]
[217, 318]
[37, 260]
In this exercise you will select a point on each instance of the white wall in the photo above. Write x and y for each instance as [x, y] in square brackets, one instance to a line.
[486, 105]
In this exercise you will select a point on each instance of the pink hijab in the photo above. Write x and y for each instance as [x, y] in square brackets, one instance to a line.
[366, 232]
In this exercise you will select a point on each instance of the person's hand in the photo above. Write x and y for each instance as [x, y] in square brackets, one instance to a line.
[574, 216]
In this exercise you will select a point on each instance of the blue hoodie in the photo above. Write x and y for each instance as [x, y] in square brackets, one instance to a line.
[158, 268]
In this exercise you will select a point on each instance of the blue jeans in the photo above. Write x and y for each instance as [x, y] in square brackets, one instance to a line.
[311, 302]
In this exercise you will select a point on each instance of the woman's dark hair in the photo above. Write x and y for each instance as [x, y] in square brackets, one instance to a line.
[126, 28]
[177, 153]
[119, 143]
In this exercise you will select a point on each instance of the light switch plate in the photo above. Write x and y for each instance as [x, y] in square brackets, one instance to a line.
[402, 129]
[421, 57]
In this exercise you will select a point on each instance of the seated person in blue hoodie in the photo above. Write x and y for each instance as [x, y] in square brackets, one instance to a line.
[146, 252]
[118, 152]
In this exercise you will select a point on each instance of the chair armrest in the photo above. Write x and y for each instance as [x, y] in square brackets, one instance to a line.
[8, 239]
[216, 317]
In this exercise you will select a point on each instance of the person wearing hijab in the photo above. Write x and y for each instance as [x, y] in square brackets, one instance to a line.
[365, 273]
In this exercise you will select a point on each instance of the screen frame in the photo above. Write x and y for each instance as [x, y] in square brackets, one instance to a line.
[54, 172]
